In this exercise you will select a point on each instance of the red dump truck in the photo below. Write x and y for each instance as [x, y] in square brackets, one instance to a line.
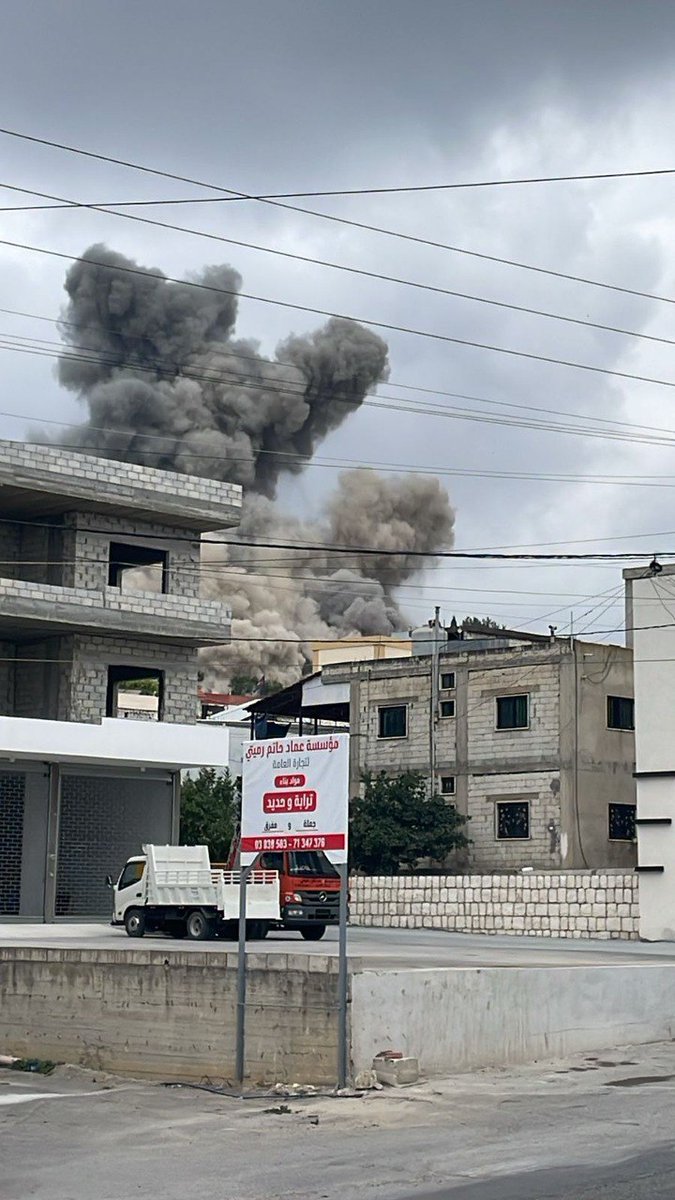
[309, 889]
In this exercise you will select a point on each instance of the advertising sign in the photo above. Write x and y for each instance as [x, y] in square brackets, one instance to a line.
[295, 796]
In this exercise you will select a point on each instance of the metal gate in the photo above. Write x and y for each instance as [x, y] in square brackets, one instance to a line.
[102, 820]
[12, 797]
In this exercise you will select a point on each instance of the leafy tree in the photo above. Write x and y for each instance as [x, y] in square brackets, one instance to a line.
[146, 687]
[209, 810]
[395, 823]
[248, 685]
[474, 623]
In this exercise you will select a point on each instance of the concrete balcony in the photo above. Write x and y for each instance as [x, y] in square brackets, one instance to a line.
[30, 610]
[114, 742]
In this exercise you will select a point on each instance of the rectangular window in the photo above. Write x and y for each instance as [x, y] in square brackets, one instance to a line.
[447, 708]
[513, 712]
[141, 568]
[447, 785]
[620, 712]
[135, 691]
[393, 721]
[447, 681]
[622, 822]
[513, 820]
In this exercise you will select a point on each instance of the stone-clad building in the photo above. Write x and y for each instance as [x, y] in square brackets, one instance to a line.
[80, 788]
[531, 737]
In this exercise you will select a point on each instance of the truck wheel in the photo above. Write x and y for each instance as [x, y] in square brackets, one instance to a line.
[134, 922]
[313, 933]
[197, 926]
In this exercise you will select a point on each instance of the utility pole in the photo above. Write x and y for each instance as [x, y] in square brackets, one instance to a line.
[433, 709]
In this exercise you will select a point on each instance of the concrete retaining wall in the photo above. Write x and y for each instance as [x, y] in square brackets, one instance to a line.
[171, 1016]
[467, 1018]
[556, 904]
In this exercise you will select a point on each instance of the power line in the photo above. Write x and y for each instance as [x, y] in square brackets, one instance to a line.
[351, 270]
[322, 312]
[395, 383]
[232, 194]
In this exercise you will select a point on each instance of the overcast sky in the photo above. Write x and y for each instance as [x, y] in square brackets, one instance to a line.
[290, 95]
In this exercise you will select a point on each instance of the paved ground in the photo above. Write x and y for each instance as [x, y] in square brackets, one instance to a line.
[384, 948]
[589, 1128]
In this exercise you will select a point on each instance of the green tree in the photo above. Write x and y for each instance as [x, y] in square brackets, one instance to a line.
[395, 823]
[247, 685]
[209, 810]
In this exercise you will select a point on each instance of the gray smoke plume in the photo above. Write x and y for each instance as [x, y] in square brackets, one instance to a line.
[168, 385]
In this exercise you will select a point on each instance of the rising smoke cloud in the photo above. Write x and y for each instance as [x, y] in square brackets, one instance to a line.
[167, 384]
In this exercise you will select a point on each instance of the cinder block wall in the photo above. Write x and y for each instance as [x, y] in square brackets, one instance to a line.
[88, 680]
[171, 1016]
[557, 904]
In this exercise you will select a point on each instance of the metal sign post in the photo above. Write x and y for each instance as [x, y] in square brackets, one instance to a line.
[241, 974]
[295, 797]
[343, 1046]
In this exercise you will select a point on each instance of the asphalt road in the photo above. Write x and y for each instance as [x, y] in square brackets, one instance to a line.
[589, 1128]
[383, 948]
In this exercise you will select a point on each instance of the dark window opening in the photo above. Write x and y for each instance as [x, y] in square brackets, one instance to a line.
[447, 681]
[447, 708]
[393, 721]
[620, 712]
[513, 820]
[135, 681]
[447, 785]
[622, 822]
[143, 568]
[513, 712]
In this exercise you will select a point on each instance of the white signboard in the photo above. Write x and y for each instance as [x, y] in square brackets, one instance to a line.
[295, 796]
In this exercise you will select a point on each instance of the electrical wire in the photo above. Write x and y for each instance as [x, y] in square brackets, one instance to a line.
[352, 270]
[391, 327]
[230, 193]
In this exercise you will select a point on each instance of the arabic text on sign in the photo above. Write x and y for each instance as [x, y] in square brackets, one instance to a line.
[289, 802]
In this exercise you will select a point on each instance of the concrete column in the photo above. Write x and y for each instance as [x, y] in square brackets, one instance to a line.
[34, 846]
[52, 841]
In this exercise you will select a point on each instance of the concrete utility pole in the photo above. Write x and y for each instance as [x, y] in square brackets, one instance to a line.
[433, 710]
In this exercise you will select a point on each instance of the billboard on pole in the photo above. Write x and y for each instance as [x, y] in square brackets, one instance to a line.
[295, 796]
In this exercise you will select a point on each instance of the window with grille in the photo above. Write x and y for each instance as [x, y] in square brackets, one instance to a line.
[447, 681]
[447, 708]
[620, 712]
[622, 822]
[393, 721]
[513, 712]
[513, 820]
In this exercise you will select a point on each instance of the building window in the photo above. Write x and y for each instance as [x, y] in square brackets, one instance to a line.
[620, 712]
[622, 822]
[141, 568]
[136, 681]
[513, 712]
[393, 721]
[513, 820]
[447, 785]
[447, 708]
[447, 681]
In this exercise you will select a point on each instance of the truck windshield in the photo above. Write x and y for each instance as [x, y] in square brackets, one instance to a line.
[132, 873]
[310, 862]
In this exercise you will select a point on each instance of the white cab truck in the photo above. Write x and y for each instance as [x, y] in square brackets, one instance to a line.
[175, 890]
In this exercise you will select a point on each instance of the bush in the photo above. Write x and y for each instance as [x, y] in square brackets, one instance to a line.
[396, 823]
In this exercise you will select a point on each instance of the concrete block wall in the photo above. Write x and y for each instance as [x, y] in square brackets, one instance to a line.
[88, 681]
[541, 683]
[171, 1016]
[541, 790]
[93, 532]
[556, 904]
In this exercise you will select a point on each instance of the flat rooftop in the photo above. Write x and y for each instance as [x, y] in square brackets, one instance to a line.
[40, 480]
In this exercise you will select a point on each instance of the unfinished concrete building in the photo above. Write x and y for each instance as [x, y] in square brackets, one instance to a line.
[81, 787]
